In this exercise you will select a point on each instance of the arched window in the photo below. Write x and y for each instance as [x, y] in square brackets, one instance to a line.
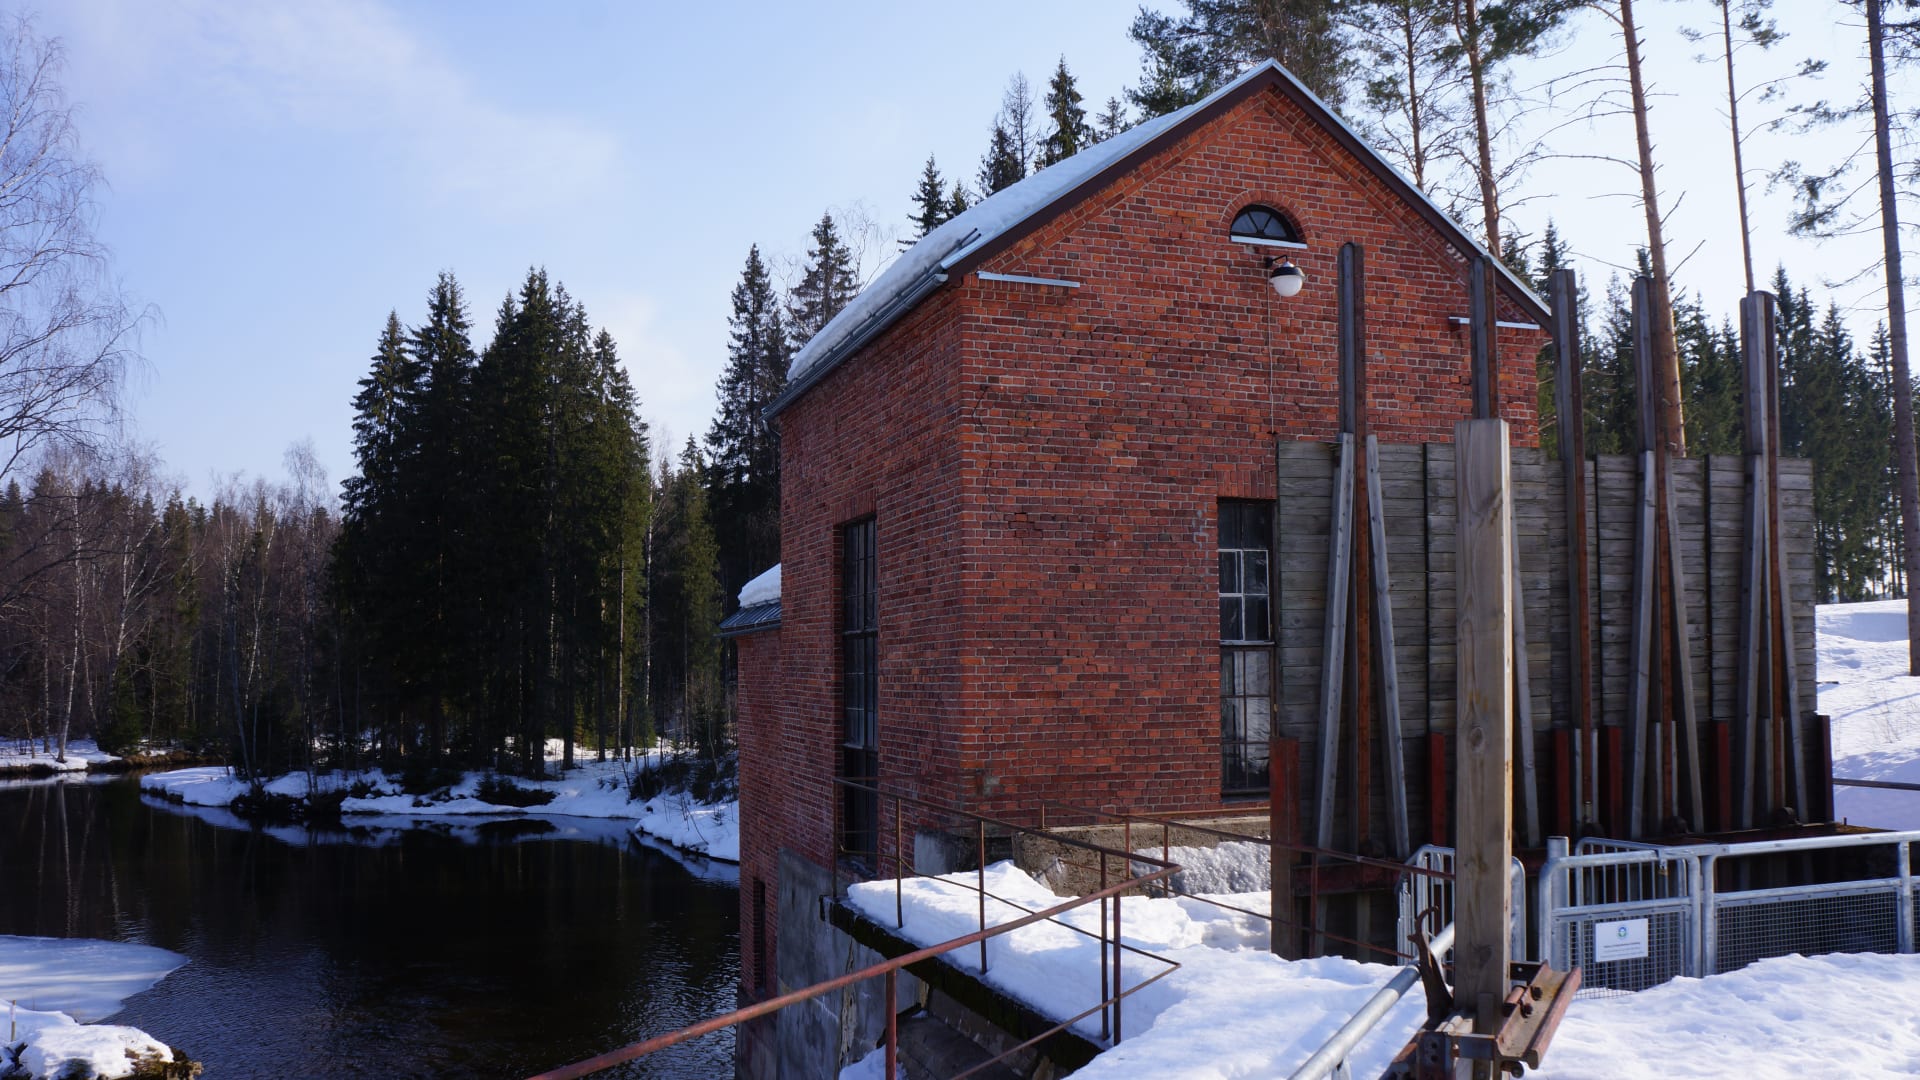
[1263, 225]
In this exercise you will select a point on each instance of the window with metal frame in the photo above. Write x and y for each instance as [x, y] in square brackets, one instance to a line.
[1264, 223]
[859, 689]
[1246, 644]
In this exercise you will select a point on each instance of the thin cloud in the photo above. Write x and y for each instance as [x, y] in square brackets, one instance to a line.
[352, 68]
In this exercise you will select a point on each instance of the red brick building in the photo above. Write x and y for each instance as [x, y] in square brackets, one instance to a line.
[1015, 472]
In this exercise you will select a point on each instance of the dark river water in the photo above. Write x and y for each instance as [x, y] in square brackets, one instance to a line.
[386, 950]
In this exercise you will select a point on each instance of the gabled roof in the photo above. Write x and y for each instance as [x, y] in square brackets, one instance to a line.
[1002, 218]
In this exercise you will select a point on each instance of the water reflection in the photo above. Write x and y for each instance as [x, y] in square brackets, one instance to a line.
[389, 947]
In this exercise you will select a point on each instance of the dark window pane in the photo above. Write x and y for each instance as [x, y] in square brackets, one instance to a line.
[1230, 618]
[1229, 572]
[1255, 625]
[1259, 528]
[1253, 576]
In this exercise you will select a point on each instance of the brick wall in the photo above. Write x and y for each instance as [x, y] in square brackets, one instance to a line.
[1044, 465]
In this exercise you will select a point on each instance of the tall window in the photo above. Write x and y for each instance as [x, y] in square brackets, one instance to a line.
[1246, 644]
[859, 690]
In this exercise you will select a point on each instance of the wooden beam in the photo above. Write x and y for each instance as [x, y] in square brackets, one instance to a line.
[1351, 288]
[1332, 653]
[1393, 751]
[1682, 667]
[1640, 675]
[1523, 700]
[1753, 681]
[1570, 404]
[1481, 316]
[1484, 699]
[1283, 808]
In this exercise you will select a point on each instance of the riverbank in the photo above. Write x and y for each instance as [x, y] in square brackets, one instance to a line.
[33, 758]
[54, 988]
[651, 793]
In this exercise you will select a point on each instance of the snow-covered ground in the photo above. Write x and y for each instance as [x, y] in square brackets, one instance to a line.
[1233, 1010]
[1875, 706]
[53, 990]
[23, 754]
[592, 789]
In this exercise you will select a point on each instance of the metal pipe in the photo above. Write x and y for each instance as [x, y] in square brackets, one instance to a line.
[1333, 1053]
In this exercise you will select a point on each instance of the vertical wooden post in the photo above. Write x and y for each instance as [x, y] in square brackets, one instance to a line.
[1333, 650]
[1393, 751]
[1480, 333]
[1570, 405]
[1752, 793]
[1283, 825]
[1484, 703]
[1360, 630]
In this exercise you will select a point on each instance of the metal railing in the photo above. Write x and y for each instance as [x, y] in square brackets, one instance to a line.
[1703, 909]
[1426, 899]
[1108, 862]
[1317, 867]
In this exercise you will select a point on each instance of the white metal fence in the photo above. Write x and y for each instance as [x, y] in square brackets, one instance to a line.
[1636, 915]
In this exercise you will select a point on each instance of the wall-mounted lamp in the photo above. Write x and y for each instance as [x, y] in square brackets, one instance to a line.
[1285, 277]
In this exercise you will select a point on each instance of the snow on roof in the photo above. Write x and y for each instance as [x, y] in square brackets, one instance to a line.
[923, 267]
[979, 224]
[761, 590]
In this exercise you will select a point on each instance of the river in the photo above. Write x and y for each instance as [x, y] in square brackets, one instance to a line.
[387, 949]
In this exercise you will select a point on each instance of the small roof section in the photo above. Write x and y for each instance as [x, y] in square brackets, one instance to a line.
[751, 620]
[994, 223]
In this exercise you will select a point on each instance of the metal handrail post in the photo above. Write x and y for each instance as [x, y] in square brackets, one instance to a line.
[980, 860]
[1119, 984]
[1549, 896]
[1706, 914]
[1904, 919]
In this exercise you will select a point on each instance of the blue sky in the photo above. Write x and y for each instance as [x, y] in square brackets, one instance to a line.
[281, 175]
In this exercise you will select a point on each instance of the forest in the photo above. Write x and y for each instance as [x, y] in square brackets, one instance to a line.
[517, 558]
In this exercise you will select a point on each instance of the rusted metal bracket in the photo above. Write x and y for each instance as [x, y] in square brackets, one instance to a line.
[1532, 1013]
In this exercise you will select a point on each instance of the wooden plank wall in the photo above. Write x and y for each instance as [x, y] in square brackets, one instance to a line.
[1418, 491]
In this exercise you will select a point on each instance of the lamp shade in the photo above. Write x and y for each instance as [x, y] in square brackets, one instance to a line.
[1286, 279]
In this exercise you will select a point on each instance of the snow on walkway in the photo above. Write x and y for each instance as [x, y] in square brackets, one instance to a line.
[55, 987]
[1875, 706]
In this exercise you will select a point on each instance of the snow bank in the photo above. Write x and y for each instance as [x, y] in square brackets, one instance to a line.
[1235, 866]
[764, 589]
[53, 986]
[710, 829]
[592, 789]
[28, 754]
[207, 785]
[1875, 706]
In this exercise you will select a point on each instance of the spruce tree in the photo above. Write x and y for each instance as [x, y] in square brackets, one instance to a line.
[958, 202]
[826, 285]
[1002, 167]
[1070, 133]
[1111, 121]
[1189, 57]
[743, 449]
[931, 198]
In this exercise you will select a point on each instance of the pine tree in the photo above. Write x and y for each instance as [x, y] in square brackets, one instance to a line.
[1002, 167]
[1070, 133]
[931, 198]
[826, 285]
[743, 449]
